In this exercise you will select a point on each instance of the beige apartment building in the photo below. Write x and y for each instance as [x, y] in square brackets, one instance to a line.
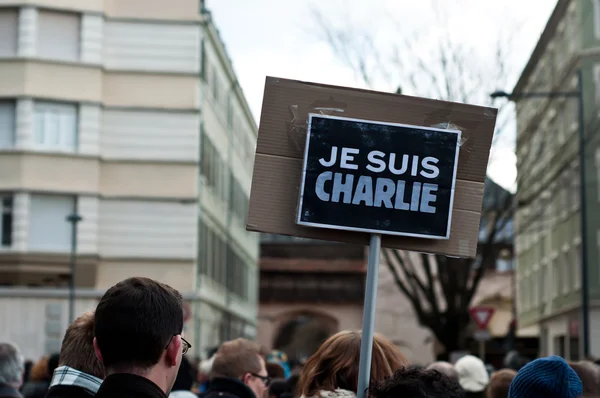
[128, 113]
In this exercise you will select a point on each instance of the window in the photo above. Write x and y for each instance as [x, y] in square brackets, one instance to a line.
[6, 220]
[230, 113]
[9, 22]
[556, 271]
[203, 63]
[239, 201]
[58, 35]
[214, 169]
[566, 268]
[559, 346]
[7, 123]
[49, 230]
[55, 126]
[202, 248]
[215, 83]
[237, 281]
[575, 187]
[576, 255]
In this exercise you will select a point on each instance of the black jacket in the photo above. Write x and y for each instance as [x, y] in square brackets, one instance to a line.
[9, 392]
[35, 389]
[62, 391]
[126, 385]
[227, 388]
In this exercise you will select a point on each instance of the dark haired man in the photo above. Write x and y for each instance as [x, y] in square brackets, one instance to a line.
[138, 327]
[417, 383]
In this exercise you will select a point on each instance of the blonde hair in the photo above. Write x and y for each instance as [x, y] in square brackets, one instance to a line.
[236, 358]
[335, 364]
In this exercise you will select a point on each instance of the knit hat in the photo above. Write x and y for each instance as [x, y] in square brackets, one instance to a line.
[472, 374]
[550, 377]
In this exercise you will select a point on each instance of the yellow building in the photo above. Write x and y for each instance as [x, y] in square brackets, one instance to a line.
[128, 113]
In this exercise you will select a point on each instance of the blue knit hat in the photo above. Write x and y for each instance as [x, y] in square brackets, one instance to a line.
[550, 377]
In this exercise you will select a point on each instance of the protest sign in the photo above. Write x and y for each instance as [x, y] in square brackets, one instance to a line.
[375, 177]
[278, 168]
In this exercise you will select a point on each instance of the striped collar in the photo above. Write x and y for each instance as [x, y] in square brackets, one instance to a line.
[66, 376]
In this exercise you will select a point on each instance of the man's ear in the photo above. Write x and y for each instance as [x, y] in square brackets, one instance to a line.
[172, 351]
[246, 378]
[97, 350]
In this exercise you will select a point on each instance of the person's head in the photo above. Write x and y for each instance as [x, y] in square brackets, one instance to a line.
[416, 383]
[500, 383]
[446, 368]
[138, 327]
[472, 374]
[39, 370]
[77, 350]
[550, 377]
[11, 365]
[277, 388]
[275, 370]
[589, 374]
[335, 364]
[242, 359]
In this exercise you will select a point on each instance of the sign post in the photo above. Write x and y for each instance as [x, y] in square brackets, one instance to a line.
[368, 329]
[482, 316]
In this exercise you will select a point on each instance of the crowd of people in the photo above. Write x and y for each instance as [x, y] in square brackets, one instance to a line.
[133, 345]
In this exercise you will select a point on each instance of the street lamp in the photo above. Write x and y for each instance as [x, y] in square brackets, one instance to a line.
[584, 242]
[73, 218]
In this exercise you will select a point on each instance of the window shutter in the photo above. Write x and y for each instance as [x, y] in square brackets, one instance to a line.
[7, 123]
[49, 230]
[58, 35]
[8, 32]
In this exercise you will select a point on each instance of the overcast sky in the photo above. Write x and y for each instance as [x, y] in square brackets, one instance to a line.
[280, 38]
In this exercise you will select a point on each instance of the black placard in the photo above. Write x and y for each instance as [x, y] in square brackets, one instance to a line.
[376, 177]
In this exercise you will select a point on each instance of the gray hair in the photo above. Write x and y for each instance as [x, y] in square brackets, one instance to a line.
[445, 368]
[11, 365]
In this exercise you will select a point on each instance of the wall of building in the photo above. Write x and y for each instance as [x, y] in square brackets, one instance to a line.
[228, 254]
[122, 83]
[548, 228]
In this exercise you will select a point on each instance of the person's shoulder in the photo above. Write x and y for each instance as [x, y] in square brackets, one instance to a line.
[65, 391]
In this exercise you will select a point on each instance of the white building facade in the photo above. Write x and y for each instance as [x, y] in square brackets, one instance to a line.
[105, 111]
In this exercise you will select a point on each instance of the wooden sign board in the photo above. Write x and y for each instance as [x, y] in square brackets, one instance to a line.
[281, 149]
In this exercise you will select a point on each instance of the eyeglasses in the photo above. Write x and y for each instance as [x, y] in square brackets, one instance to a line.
[184, 347]
[265, 379]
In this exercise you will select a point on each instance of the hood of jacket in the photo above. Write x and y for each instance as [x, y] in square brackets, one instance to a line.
[337, 393]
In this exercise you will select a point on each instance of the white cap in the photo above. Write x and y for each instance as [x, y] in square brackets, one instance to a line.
[472, 375]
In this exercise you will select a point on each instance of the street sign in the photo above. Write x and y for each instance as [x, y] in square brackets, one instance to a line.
[482, 316]
[482, 335]
[380, 178]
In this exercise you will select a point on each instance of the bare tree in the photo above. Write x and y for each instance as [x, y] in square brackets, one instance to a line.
[440, 289]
